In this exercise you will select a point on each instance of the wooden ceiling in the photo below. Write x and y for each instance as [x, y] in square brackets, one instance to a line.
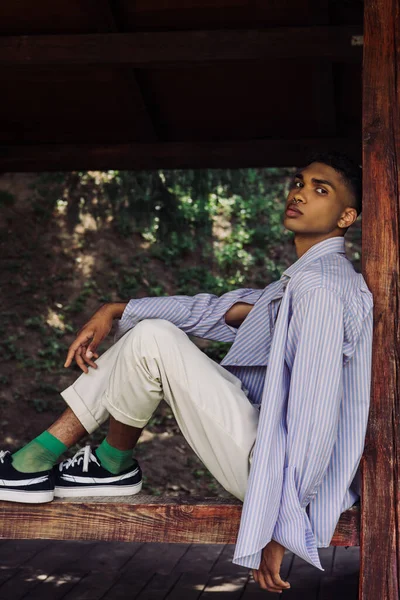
[120, 84]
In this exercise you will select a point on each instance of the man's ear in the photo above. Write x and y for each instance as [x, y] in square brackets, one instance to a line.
[348, 217]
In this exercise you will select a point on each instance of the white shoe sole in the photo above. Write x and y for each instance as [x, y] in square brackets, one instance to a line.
[98, 490]
[26, 497]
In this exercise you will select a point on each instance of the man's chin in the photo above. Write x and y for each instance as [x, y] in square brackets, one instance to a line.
[288, 224]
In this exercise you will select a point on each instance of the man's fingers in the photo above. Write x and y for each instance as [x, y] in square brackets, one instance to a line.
[79, 360]
[91, 351]
[261, 581]
[271, 585]
[80, 340]
[276, 579]
[70, 356]
[86, 359]
[268, 582]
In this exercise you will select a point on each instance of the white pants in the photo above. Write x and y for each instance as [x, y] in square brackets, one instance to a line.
[153, 361]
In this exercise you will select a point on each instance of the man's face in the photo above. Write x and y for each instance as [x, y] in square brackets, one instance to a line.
[323, 203]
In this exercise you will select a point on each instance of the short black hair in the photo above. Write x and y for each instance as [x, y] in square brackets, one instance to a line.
[350, 171]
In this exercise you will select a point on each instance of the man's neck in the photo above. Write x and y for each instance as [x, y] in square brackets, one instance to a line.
[305, 242]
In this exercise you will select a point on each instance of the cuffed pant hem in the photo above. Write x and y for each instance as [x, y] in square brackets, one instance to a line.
[123, 417]
[80, 409]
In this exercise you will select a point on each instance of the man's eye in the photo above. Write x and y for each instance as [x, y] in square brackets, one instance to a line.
[294, 184]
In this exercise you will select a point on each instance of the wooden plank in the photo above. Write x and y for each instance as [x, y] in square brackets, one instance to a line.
[111, 556]
[54, 584]
[380, 519]
[152, 568]
[189, 586]
[188, 14]
[130, 587]
[36, 571]
[106, 13]
[93, 586]
[342, 581]
[5, 574]
[159, 48]
[160, 558]
[140, 519]
[158, 587]
[199, 558]
[324, 100]
[15, 553]
[304, 580]
[226, 577]
[195, 570]
[324, 109]
[215, 154]
[152, 561]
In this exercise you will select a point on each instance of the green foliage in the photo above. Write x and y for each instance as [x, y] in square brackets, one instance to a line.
[10, 349]
[197, 279]
[6, 198]
[217, 350]
[170, 232]
[78, 304]
[40, 404]
[233, 217]
[48, 354]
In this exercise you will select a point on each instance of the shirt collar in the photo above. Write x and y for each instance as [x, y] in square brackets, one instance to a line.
[328, 246]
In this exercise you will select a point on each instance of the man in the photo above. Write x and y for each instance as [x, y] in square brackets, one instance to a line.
[299, 424]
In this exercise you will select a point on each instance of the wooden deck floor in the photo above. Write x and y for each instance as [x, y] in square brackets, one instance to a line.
[44, 570]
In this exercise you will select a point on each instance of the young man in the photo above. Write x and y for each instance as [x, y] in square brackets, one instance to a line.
[299, 424]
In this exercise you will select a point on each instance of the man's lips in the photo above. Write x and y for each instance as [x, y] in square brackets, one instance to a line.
[293, 208]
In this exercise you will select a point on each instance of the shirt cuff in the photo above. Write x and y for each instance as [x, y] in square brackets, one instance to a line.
[127, 320]
[293, 528]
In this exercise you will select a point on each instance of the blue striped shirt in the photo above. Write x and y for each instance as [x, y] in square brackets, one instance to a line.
[313, 328]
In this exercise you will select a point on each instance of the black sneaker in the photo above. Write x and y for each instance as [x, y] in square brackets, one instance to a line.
[15, 486]
[83, 475]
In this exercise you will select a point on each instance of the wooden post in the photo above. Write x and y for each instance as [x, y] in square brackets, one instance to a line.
[380, 506]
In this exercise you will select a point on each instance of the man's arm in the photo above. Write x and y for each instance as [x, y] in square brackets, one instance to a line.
[203, 315]
[315, 338]
[237, 314]
[233, 317]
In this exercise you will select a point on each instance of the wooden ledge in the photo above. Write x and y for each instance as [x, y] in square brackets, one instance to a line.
[142, 518]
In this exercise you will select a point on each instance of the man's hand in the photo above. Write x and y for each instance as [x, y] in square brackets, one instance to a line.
[267, 575]
[83, 349]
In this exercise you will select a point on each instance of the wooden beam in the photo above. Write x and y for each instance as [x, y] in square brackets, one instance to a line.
[155, 49]
[144, 125]
[141, 519]
[380, 519]
[324, 108]
[178, 155]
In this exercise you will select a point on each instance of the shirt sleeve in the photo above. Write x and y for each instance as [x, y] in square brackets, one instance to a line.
[201, 315]
[315, 351]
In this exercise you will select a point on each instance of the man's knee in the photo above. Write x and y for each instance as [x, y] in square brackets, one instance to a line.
[159, 328]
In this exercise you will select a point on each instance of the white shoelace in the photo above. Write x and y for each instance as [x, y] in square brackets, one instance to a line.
[3, 454]
[84, 455]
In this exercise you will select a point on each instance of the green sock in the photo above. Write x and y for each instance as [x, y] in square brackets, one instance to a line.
[112, 459]
[41, 454]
